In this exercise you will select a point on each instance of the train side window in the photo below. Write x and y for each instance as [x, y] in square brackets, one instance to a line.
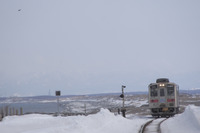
[162, 92]
[154, 92]
[170, 90]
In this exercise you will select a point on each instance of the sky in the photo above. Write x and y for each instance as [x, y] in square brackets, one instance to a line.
[95, 46]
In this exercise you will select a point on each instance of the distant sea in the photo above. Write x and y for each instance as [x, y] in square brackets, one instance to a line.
[49, 107]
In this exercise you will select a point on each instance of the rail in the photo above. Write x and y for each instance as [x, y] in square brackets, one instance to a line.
[152, 126]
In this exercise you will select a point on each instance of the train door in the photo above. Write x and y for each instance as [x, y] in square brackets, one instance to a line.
[163, 101]
[162, 95]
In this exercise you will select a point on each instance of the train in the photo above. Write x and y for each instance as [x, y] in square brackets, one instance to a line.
[163, 98]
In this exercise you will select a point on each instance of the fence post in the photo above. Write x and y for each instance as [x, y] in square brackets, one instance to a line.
[1, 114]
[6, 111]
[10, 111]
[17, 112]
[21, 111]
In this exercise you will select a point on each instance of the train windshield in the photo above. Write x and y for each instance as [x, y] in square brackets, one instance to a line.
[153, 90]
[162, 92]
[170, 90]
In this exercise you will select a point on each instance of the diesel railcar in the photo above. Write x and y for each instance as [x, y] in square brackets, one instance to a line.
[163, 98]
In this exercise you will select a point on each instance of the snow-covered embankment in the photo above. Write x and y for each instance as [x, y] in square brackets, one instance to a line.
[187, 122]
[102, 122]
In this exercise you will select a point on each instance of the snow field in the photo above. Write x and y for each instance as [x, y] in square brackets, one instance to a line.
[104, 121]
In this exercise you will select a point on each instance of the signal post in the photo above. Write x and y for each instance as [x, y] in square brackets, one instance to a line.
[123, 109]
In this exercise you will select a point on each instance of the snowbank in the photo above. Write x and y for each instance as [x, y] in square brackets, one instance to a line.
[187, 122]
[104, 121]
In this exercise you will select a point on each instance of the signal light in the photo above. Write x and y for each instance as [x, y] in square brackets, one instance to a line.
[122, 96]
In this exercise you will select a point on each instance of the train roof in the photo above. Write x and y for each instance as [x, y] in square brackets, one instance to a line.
[162, 80]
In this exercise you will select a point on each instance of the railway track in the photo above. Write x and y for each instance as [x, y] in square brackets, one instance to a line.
[152, 126]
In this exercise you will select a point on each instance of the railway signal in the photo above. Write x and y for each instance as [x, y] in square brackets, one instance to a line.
[123, 110]
[58, 94]
[122, 96]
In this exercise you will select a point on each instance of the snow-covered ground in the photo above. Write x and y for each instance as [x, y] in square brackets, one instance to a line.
[104, 121]
[187, 122]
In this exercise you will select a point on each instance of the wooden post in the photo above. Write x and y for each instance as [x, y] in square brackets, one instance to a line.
[10, 111]
[13, 110]
[85, 109]
[6, 111]
[21, 111]
[17, 112]
[1, 114]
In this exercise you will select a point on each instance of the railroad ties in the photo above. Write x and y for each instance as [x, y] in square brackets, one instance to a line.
[152, 126]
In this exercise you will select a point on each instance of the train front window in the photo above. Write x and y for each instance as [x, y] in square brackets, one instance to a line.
[154, 91]
[162, 92]
[170, 90]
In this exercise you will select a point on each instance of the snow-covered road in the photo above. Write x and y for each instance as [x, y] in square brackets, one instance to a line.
[104, 121]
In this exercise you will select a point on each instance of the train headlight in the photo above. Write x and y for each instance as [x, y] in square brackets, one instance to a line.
[161, 84]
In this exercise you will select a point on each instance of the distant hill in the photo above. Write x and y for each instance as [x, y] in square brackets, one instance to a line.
[190, 91]
[47, 97]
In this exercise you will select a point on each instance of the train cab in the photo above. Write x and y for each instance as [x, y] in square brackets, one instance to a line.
[163, 98]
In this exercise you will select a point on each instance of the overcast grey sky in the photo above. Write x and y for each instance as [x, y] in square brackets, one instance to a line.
[95, 46]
